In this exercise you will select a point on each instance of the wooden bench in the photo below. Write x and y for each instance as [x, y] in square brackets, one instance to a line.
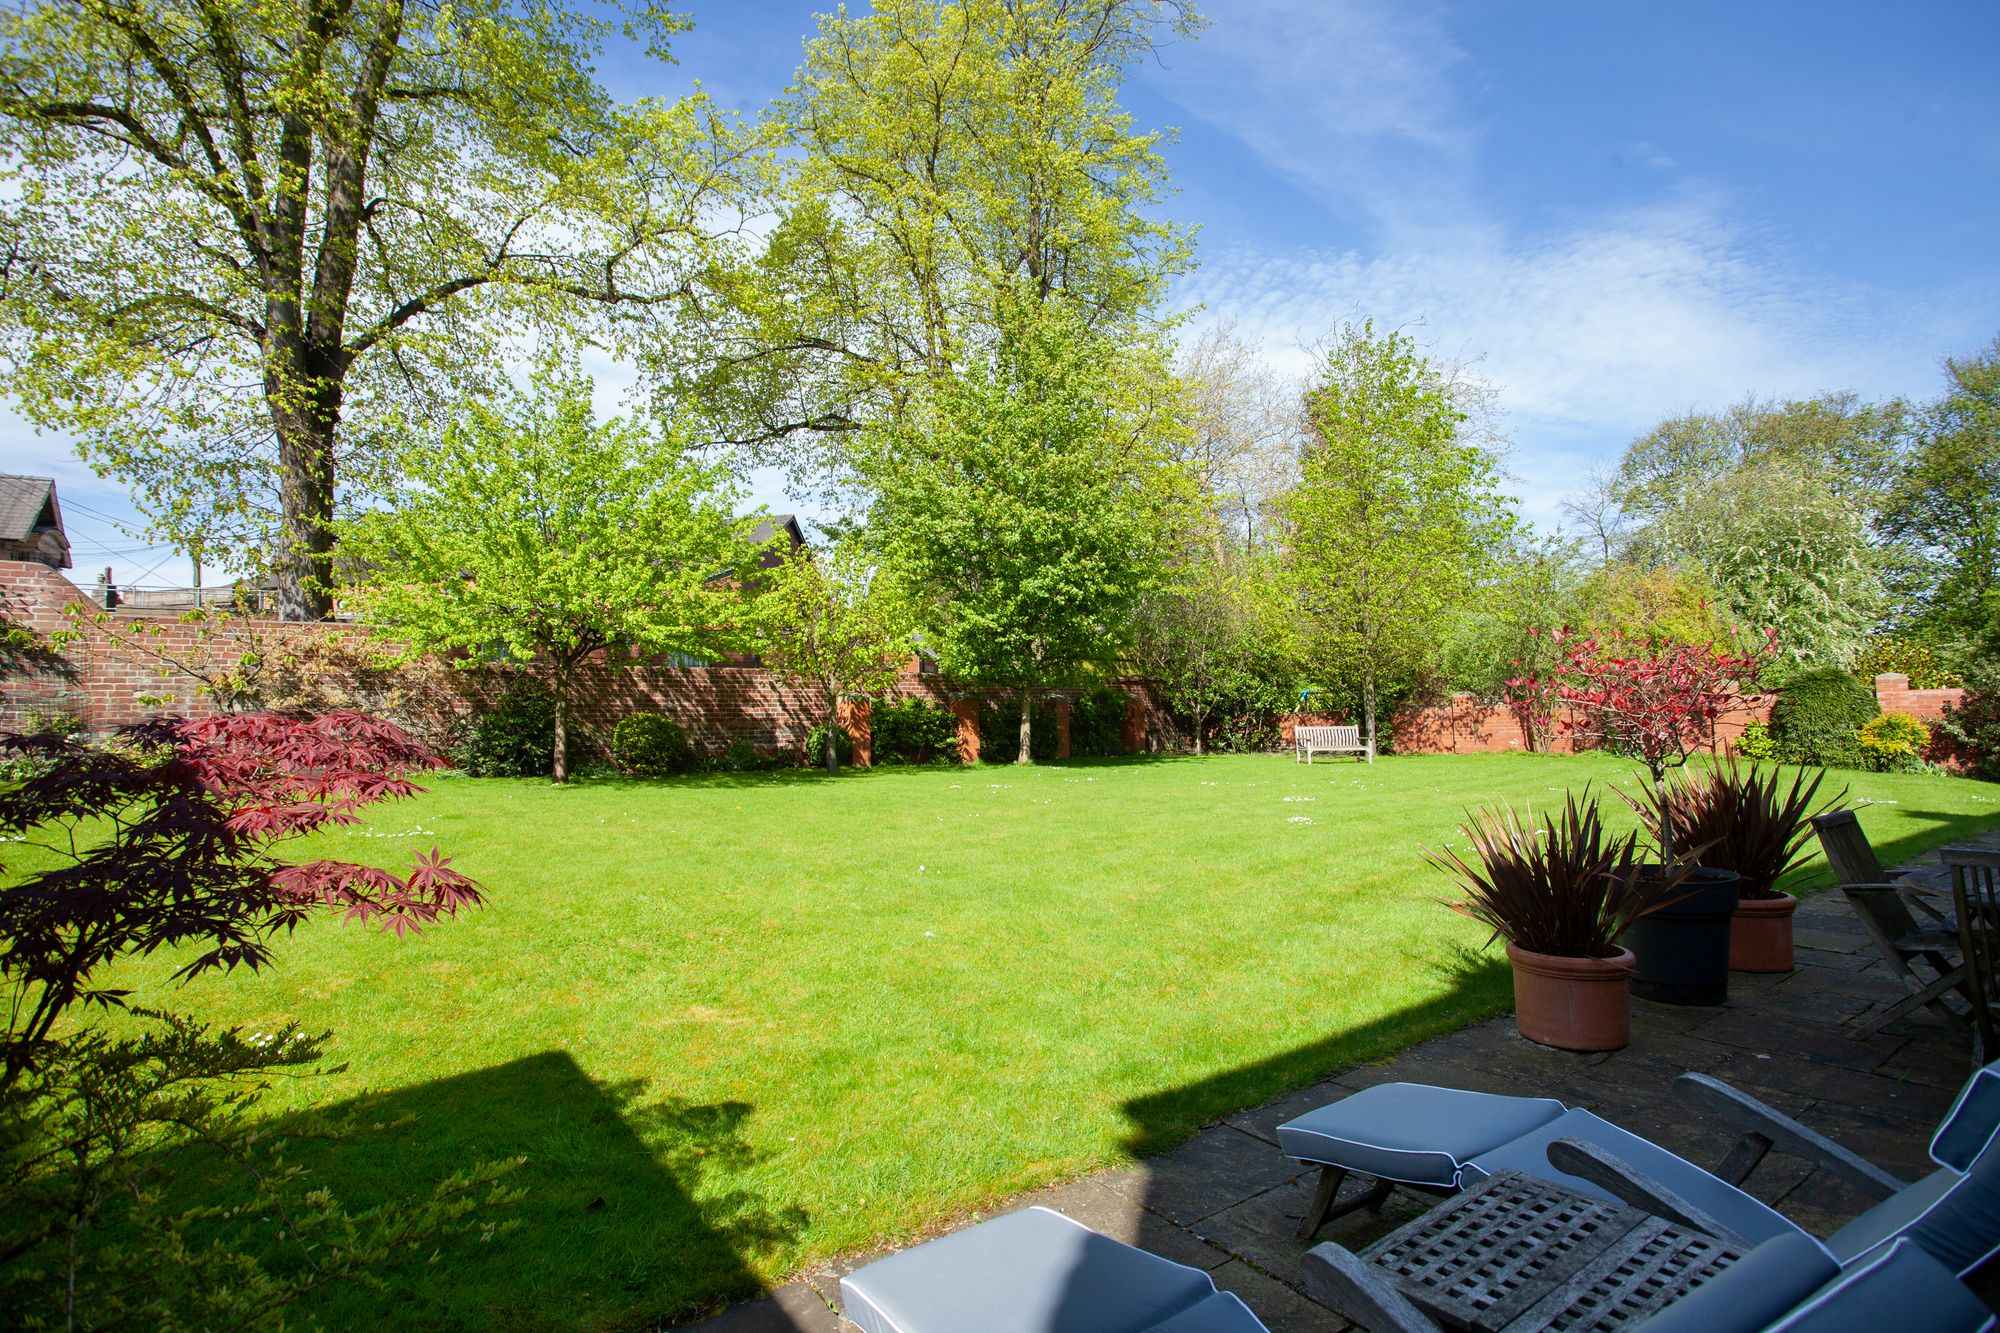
[1309, 741]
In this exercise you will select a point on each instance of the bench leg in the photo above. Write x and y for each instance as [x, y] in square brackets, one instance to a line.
[1323, 1210]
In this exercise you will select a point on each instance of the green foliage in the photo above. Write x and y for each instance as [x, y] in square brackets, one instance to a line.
[1000, 731]
[515, 737]
[816, 745]
[913, 732]
[1974, 722]
[652, 745]
[1846, 443]
[531, 530]
[1888, 654]
[306, 227]
[828, 623]
[1394, 523]
[1785, 552]
[1818, 718]
[1945, 506]
[1755, 743]
[1097, 722]
[1208, 643]
[1894, 743]
[947, 157]
[90, 1237]
[744, 757]
[1025, 518]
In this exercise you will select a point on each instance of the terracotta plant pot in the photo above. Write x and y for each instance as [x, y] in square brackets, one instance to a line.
[1577, 1004]
[1760, 934]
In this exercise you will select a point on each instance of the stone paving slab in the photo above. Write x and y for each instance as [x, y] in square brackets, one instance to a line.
[1228, 1202]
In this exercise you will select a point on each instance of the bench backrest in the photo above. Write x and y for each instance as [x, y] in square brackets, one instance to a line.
[1327, 736]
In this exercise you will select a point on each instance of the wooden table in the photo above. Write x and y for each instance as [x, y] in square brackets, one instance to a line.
[1518, 1253]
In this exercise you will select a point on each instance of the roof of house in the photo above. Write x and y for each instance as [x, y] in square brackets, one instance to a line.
[775, 523]
[27, 503]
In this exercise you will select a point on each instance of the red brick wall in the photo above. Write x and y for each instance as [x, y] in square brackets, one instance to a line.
[106, 683]
[1895, 695]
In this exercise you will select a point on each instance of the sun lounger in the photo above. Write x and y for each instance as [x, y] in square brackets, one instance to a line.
[1444, 1139]
[1037, 1271]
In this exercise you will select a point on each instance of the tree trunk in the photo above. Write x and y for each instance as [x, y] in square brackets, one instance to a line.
[305, 410]
[559, 768]
[833, 734]
[1368, 710]
[1200, 727]
[1026, 756]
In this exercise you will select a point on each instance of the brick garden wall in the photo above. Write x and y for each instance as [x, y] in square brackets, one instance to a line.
[103, 684]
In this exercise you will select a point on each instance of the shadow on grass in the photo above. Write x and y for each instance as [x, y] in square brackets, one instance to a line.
[621, 1212]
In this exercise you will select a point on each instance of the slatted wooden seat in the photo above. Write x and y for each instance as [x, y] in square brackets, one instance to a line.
[1922, 953]
[1309, 741]
[1975, 896]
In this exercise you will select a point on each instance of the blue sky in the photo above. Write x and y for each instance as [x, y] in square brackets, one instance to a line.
[1621, 210]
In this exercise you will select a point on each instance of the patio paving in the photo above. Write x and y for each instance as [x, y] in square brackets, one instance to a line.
[1228, 1201]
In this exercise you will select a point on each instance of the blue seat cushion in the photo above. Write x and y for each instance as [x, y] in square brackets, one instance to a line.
[1887, 1219]
[1760, 1287]
[1956, 1220]
[1754, 1220]
[1900, 1288]
[1972, 1120]
[1220, 1313]
[1412, 1132]
[1034, 1271]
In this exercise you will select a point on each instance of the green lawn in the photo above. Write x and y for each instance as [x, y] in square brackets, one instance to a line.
[766, 1019]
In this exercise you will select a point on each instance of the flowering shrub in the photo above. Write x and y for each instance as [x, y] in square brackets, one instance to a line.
[1894, 743]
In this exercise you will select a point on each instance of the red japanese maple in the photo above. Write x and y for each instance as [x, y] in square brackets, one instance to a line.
[1656, 700]
[170, 836]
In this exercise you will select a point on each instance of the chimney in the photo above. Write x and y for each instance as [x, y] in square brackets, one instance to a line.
[107, 591]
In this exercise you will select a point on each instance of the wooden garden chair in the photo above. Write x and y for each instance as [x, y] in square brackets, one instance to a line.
[1975, 898]
[1920, 952]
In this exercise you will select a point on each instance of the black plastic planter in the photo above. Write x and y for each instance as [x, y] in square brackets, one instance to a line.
[1683, 949]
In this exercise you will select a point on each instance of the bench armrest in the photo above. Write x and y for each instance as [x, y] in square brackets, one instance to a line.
[1628, 1184]
[1744, 1113]
[1343, 1282]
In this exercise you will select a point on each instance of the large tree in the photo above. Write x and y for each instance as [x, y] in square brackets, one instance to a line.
[1025, 511]
[530, 532]
[245, 245]
[949, 156]
[1394, 521]
[1945, 506]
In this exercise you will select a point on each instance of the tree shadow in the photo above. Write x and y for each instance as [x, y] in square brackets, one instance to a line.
[629, 1203]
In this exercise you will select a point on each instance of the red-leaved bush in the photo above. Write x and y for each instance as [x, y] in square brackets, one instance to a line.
[169, 836]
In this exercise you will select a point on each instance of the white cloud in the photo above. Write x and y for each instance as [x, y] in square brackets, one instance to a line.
[1594, 325]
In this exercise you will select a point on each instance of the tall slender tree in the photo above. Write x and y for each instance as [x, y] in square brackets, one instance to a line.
[1394, 521]
[1024, 512]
